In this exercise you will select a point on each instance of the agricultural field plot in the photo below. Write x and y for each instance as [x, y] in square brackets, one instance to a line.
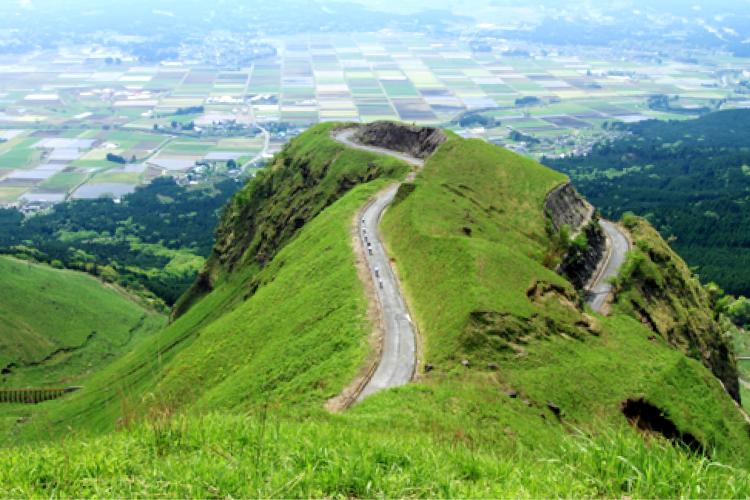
[370, 77]
[60, 163]
[63, 113]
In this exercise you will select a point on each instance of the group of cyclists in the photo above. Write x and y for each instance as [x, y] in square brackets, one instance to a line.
[369, 250]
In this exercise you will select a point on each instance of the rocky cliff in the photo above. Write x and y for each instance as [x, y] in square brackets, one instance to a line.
[565, 207]
[581, 263]
[419, 142]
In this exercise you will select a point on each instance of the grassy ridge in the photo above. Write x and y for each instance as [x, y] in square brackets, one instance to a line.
[56, 325]
[293, 333]
[487, 298]
[310, 174]
[498, 196]
[657, 287]
[300, 338]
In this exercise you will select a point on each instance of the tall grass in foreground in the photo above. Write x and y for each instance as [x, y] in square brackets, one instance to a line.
[230, 456]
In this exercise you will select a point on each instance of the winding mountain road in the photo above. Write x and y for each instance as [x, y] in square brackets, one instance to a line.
[597, 294]
[398, 360]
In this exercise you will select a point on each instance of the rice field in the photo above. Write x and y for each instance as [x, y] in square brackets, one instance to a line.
[78, 113]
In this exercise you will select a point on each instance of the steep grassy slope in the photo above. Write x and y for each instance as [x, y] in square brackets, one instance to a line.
[657, 288]
[485, 297]
[57, 326]
[277, 324]
[311, 174]
[287, 328]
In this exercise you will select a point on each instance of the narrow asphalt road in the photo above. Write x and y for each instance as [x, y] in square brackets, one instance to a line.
[266, 142]
[266, 138]
[598, 292]
[398, 359]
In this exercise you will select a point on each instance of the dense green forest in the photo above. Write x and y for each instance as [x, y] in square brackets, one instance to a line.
[154, 241]
[690, 179]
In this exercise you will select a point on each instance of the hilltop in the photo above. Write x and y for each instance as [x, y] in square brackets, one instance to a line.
[511, 361]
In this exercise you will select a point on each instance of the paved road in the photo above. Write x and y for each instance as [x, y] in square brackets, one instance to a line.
[399, 350]
[597, 294]
[259, 156]
[398, 359]
[266, 139]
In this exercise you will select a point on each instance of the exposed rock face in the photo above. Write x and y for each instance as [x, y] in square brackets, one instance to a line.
[579, 266]
[420, 142]
[567, 208]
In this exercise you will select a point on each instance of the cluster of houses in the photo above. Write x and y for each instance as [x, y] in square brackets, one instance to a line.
[572, 145]
[30, 208]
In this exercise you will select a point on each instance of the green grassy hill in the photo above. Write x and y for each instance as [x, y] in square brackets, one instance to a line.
[58, 326]
[487, 299]
[277, 324]
[278, 314]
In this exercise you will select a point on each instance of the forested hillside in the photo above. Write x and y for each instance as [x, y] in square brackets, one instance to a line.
[690, 179]
[155, 240]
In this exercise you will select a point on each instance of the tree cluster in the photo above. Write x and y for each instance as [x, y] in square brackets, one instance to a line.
[116, 158]
[476, 119]
[120, 242]
[527, 101]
